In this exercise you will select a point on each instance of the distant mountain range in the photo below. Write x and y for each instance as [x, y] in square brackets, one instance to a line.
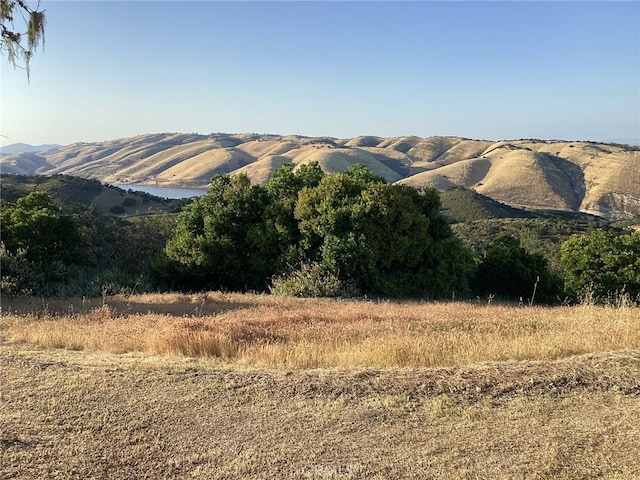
[26, 148]
[595, 178]
[627, 141]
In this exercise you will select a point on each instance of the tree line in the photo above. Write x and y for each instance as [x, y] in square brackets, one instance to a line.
[302, 233]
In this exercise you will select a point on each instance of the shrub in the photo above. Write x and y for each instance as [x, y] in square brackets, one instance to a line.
[508, 271]
[18, 275]
[602, 264]
[311, 280]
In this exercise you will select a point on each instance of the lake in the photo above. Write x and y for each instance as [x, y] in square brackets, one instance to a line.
[166, 192]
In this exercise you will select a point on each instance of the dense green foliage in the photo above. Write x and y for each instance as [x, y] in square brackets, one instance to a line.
[237, 236]
[509, 271]
[537, 235]
[35, 224]
[602, 264]
[387, 240]
[47, 249]
[303, 233]
[219, 239]
[379, 239]
[38, 242]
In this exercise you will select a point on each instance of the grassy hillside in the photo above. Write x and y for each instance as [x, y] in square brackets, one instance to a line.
[588, 177]
[464, 205]
[83, 194]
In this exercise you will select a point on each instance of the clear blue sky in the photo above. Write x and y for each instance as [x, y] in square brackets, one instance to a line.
[490, 70]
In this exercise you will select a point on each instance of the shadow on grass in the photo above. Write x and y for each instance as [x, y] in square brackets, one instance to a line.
[178, 305]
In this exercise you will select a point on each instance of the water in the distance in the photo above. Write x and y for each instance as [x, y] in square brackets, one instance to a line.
[166, 192]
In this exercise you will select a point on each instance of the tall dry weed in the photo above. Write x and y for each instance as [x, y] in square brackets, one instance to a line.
[283, 332]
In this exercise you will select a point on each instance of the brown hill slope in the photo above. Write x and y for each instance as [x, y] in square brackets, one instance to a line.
[601, 179]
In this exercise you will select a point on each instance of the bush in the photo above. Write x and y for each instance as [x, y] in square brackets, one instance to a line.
[117, 282]
[37, 225]
[311, 280]
[39, 245]
[117, 209]
[601, 264]
[509, 272]
[129, 202]
[18, 275]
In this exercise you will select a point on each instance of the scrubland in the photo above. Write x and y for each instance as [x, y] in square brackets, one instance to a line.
[216, 385]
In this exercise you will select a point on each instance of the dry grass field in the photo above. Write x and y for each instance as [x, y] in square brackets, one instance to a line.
[244, 386]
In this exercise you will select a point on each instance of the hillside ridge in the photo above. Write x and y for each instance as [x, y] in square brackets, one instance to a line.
[575, 176]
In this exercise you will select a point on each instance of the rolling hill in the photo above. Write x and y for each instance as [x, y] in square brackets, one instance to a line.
[78, 195]
[25, 147]
[593, 178]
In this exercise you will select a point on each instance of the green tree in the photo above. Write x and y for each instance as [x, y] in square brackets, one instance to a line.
[387, 240]
[280, 224]
[11, 35]
[36, 225]
[287, 181]
[601, 263]
[362, 176]
[220, 240]
[508, 271]
[37, 244]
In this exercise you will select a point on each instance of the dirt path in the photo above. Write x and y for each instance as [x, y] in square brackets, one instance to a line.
[66, 414]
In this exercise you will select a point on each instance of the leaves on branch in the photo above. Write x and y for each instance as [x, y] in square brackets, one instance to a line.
[12, 42]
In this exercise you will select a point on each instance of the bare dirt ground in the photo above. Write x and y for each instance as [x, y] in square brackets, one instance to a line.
[88, 415]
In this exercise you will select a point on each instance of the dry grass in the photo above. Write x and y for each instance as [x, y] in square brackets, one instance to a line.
[217, 386]
[277, 332]
[69, 414]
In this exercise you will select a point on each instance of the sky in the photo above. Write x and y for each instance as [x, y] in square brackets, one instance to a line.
[482, 70]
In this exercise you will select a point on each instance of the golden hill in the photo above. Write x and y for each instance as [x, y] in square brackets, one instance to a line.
[596, 178]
